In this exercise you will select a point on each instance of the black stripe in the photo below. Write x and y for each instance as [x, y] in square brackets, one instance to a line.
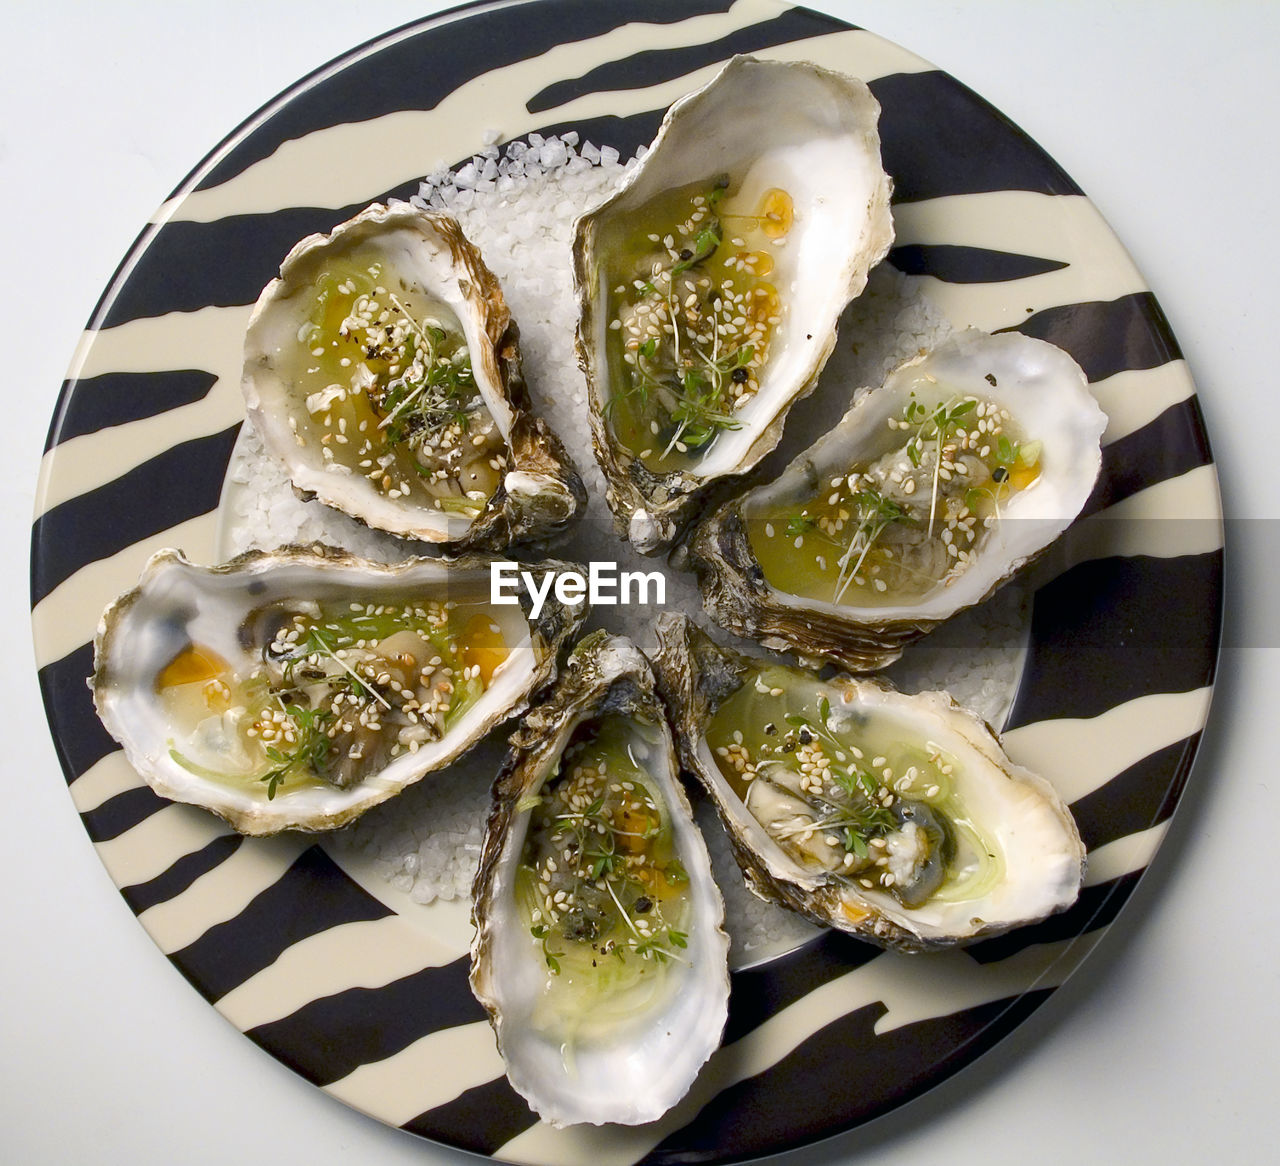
[78, 736]
[1138, 797]
[114, 398]
[952, 263]
[654, 66]
[1168, 447]
[481, 1120]
[424, 68]
[1112, 630]
[1096, 907]
[122, 812]
[171, 488]
[226, 263]
[758, 993]
[329, 1038]
[939, 138]
[181, 874]
[817, 1090]
[310, 897]
[1107, 336]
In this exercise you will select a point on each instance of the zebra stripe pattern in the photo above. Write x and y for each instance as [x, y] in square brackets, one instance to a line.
[317, 962]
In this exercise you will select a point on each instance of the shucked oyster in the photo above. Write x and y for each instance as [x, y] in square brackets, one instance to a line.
[896, 818]
[297, 688]
[599, 952]
[709, 286]
[383, 369]
[933, 490]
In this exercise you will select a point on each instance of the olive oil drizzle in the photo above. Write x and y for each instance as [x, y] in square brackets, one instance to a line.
[693, 341]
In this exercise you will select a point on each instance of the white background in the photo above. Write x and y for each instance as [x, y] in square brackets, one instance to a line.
[1163, 1048]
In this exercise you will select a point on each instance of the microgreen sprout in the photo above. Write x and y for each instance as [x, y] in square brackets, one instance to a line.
[695, 342]
[602, 875]
[309, 752]
[874, 513]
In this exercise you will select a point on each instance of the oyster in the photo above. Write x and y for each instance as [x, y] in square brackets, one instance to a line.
[599, 951]
[298, 688]
[931, 492]
[710, 284]
[382, 368]
[896, 818]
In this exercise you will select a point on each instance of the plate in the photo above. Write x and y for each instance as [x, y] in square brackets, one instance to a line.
[357, 988]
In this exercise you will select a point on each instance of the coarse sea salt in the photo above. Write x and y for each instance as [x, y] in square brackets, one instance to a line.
[519, 204]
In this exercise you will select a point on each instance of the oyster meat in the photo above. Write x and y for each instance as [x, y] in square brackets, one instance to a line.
[599, 952]
[896, 818]
[382, 368]
[298, 688]
[931, 492]
[710, 284]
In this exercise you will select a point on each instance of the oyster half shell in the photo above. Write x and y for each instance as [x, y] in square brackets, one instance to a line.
[710, 284]
[933, 491]
[382, 369]
[599, 951]
[296, 689]
[896, 818]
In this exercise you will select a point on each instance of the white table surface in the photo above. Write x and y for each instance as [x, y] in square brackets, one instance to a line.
[1163, 1048]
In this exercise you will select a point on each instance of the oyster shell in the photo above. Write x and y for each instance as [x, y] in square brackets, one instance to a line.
[932, 491]
[296, 689]
[710, 284]
[382, 368]
[599, 951]
[896, 818]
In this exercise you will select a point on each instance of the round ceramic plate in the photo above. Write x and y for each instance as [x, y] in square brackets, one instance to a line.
[362, 991]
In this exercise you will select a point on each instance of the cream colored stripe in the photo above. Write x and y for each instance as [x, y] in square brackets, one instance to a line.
[1078, 755]
[1124, 855]
[1180, 516]
[103, 781]
[210, 340]
[1135, 398]
[992, 306]
[223, 892]
[1063, 227]
[157, 842]
[301, 172]
[430, 1072]
[912, 989]
[367, 954]
[448, 921]
[65, 619]
[93, 460]
[915, 989]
